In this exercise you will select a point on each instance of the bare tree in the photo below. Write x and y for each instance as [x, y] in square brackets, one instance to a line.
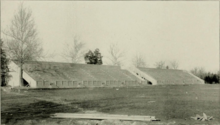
[116, 55]
[75, 51]
[22, 40]
[199, 71]
[174, 65]
[139, 61]
[160, 65]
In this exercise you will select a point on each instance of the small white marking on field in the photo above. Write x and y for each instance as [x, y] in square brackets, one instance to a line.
[151, 101]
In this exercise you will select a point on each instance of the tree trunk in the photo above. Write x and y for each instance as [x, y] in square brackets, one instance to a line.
[21, 75]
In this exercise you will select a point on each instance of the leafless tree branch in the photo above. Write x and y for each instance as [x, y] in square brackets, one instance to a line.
[75, 51]
[116, 56]
[198, 71]
[160, 65]
[139, 61]
[22, 40]
[174, 65]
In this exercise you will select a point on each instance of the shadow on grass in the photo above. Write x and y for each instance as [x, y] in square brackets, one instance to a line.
[37, 110]
[101, 104]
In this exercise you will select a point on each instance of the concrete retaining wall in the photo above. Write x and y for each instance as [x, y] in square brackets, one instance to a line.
[178, 82]
[90, 83]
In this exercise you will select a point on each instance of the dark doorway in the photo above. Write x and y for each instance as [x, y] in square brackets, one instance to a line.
[149, 83]
[25, 83]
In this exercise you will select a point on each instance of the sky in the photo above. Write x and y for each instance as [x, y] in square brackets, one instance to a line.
[187, 32]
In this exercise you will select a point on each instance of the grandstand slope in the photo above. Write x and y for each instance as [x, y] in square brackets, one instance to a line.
[68, 75]
[171, 76]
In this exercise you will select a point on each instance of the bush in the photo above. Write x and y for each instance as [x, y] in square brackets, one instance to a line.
[4, 66]
[211, 78]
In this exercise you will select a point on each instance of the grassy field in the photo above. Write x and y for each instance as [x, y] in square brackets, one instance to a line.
[170, 104]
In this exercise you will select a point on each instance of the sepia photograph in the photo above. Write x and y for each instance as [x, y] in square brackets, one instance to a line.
[110, 62]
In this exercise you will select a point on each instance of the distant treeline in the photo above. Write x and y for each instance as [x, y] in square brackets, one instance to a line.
[209, 78]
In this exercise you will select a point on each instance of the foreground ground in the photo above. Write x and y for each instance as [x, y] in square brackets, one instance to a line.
[170, 104]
